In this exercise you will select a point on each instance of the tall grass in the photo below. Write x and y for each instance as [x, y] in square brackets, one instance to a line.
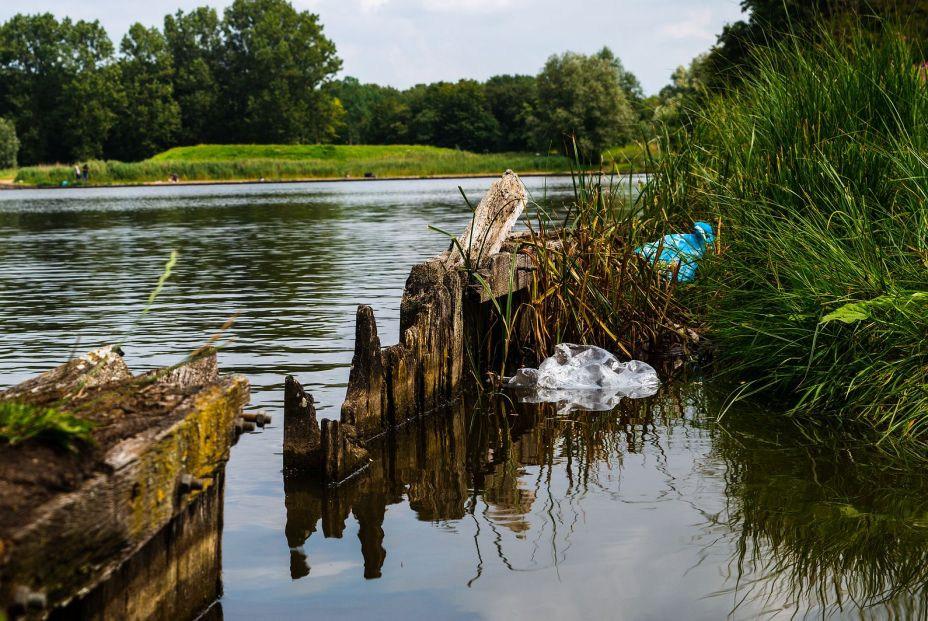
[818, 170]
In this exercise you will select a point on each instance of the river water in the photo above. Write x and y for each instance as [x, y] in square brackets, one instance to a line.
[657, 510]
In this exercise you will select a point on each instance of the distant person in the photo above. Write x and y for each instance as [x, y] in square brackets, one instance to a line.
[86, 172]
[77, 172]
[173, 177]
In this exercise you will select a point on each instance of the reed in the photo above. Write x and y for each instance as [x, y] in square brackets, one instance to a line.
[591, 287]
[816, 169]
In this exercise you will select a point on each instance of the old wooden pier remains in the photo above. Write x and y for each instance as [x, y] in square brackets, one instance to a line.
[128, 527]
[444, 311]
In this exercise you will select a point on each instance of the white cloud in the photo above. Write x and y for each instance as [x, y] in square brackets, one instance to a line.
[404, 42]
[468, 6]
[697, 26]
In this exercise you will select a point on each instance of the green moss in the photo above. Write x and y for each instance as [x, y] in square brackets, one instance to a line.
[20, 422]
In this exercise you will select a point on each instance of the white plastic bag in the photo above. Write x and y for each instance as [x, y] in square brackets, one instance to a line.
[585, 377]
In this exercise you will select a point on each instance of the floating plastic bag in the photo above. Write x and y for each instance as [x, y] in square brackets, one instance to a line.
[585, 377]
[680, 249]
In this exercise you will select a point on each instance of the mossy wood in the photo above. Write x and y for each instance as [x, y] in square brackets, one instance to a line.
[160, 441]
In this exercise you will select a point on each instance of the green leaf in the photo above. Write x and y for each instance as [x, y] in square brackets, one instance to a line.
[861, 311]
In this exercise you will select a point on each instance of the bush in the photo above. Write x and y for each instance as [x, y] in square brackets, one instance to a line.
[9, 144]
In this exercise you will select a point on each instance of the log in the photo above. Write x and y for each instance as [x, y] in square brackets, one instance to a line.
[160, 442]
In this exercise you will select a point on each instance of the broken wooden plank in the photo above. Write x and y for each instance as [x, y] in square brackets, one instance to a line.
[494, 217]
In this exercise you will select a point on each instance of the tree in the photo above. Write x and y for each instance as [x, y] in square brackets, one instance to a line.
[194, 41]
[686, 92]
[149, 117]
[9, 144]
[359, 102]
[580, 96]
[769, 20]
[56, 85]
[277, 63]
[453, 115]
[391, 114]
[512, 102]
[90, 92]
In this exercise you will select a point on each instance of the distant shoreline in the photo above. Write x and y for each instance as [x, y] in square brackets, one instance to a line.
[6, 185]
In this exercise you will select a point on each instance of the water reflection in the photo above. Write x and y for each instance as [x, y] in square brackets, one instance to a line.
[805, 530]
[650, 511]
[822, 528]
[470, 462]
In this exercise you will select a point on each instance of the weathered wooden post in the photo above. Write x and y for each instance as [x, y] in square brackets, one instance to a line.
[366, 397]
[497, 213]
[425, 370]
[302, 437]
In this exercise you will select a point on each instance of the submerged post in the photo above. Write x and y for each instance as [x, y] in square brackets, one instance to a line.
[366, 397]
[302, 437]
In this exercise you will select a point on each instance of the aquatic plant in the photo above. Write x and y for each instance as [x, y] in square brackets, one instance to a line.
[816, 169]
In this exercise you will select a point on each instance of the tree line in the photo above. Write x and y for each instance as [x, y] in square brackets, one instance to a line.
[591, 96]
[257, 74]
[264, 72]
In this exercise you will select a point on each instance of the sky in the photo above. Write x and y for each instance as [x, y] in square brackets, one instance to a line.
[405, 42]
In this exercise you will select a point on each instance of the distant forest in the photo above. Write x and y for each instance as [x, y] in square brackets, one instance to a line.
[263, 72]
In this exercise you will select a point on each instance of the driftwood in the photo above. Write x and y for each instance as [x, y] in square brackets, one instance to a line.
[161, 441]
[497, 213]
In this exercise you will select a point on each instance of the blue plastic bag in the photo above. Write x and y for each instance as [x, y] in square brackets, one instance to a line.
[683, 249]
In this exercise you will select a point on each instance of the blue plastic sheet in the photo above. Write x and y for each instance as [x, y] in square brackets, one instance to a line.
[680, 249]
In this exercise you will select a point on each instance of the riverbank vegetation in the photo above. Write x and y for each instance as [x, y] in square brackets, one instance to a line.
[590, 286]
[289, 162]
[815, 166]
[813, 170]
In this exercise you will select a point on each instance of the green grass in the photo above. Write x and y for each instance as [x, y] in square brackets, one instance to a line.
[291, 162]
[20, 422]
[288, 162]
[816, 169]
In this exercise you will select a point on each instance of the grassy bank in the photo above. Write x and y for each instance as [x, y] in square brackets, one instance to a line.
[288, 162]
[817, 170]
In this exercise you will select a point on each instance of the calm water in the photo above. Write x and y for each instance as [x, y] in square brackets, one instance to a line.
[652, 511]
